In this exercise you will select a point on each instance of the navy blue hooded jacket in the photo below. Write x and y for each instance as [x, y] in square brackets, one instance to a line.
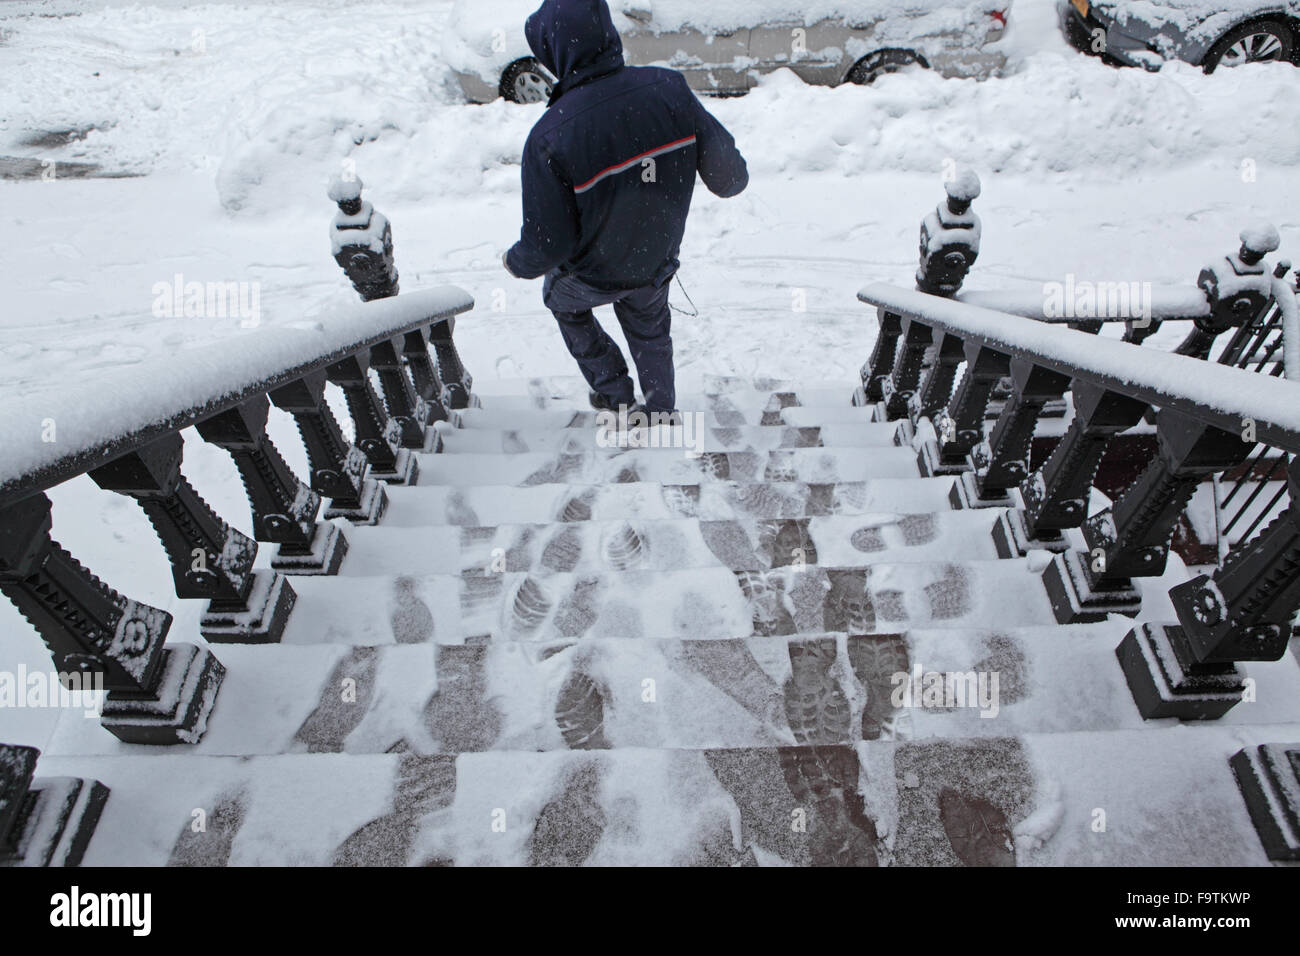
[609, 170]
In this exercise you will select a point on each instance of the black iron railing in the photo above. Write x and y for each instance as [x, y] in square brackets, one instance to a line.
[935, 367]
[160, 692]
[1253, 494]
[1241, 612]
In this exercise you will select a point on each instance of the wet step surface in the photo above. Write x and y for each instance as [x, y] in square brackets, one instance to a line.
[829, 415]
[691, 436]
[651, 545]
[700, 603]
[563, 403]
[669, 466]
[568, 502]
[754, 692]
[573, 390]
[507, 414]
[997, 801]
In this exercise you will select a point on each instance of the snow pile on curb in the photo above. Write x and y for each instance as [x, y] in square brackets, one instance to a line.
[277, 122]
[1058, 115]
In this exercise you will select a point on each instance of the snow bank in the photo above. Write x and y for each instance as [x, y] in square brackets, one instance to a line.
[274, 123]
[1057, 116]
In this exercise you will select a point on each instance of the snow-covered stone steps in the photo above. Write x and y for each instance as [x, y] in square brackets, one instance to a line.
[786, 649]
[829, 416]
[691, 604]
[713, 415]
[667, 545]
[752, 393]
[515, 441]
[755, 408]
[669, 466]
[487, 504]
[1166, 797]
[753, 692]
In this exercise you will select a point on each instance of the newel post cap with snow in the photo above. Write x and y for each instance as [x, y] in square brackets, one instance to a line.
[346, 191]
[1259, 240]
[963, 189]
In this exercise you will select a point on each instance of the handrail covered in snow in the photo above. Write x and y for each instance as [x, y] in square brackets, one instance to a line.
[1208, 415]
[123, 431]
[1215, 394]
[129, 407]
[1229, 292]
[1164, 303]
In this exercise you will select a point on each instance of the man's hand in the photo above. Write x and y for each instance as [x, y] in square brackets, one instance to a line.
[505, 261]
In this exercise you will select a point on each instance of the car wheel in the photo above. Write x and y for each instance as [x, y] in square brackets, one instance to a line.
[524, 81]
[874, 65]
[1266, 41]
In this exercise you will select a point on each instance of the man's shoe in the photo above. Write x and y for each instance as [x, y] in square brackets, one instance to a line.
[603, 403]
[672, 419]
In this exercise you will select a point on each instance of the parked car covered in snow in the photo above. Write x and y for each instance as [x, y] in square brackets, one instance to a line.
[721, 45]
[1207, 33]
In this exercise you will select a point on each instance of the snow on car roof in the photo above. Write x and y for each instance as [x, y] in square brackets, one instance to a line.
[489, 15]
[483, 35]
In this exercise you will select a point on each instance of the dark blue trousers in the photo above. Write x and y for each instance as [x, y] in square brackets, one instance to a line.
[647, 324]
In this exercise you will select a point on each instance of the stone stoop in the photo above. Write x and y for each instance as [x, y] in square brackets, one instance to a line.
[763, 638]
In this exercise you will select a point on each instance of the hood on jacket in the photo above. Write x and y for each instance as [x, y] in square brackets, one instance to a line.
[576, 40]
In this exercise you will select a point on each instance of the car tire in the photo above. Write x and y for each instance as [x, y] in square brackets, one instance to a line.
[1269, 40]
[875, 65]
[524, 81]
